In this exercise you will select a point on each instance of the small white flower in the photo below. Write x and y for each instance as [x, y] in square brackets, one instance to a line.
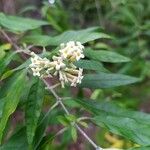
[80, 76]
[60, 65]
[74, 76]
[36, 74]
[72, 51]
[80, 45]
[62, 45]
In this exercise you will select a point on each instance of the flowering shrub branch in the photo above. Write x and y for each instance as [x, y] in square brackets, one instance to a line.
[43, 67]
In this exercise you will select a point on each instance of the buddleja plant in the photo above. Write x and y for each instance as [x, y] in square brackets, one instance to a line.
[40, 68]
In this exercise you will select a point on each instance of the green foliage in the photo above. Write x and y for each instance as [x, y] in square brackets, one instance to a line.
[91, 65]
[17, 141]
[5, 61]
[83, 36]
[105, 80]
[105, 56]
[18, 24]
[33, 109]
[130, 124]
[116, 54]
[12, 100]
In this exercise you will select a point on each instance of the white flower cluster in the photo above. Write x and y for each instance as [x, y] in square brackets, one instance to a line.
[72, 51]
[61, 65]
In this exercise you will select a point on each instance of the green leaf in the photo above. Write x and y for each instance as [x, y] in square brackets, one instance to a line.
[40, 131]
[7, 74]
[33, 108]
[130, 124]
[10, 72]
[3, 49]
[63, 120]
[12, 99]
[71, 118]
[4, 88]
[140, 148]
[18, 141]
[48, 139]
[105, 56]
[127, 127]
[1, 106]
[106, 80]
[19, 24]
[84, 36]
[90, 65]
[74, 133]
[5, 61]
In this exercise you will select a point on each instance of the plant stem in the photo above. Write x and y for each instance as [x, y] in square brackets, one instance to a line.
[51, 108]
[9, 39]
[59, 99]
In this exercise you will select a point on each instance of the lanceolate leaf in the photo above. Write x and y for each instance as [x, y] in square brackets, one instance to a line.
[33, 108]
[4, 62]
[18, 24]
[106, 80]
[127, 127]
[90, 65]
[40, 131]
[12, 99]
[130, 124]
[105, 56]
[83, 36]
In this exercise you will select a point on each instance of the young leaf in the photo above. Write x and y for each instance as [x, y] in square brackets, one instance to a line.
[74, 133]
[12, 99]
[63, 120]
[33, 108]
[106, 80]
[71, 118]
[3, 48]
[105, 56]
[18, 24]
[84, 36]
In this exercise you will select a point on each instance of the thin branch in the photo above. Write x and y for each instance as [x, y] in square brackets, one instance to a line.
[51, 108]
[59, 99]
[61, 131]
[84, 118]
[16, 47]
[9, 39]
[86, 136]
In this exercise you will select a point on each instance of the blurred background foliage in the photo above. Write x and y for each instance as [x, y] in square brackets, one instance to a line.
[128, 22]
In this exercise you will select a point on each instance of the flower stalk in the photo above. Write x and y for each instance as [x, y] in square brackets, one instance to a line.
[59, 99]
